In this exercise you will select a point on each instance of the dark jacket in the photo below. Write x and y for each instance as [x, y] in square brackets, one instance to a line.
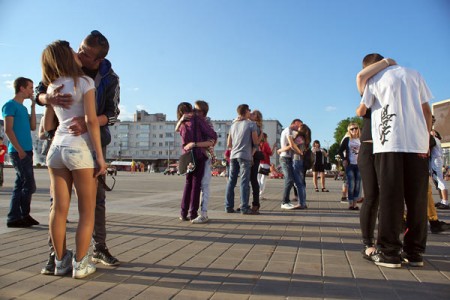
[344, 147]
[107, 96]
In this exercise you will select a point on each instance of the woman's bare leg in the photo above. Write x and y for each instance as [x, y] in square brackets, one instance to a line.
[315, 179]
[61, 182]
[86, 187]
[322, 179]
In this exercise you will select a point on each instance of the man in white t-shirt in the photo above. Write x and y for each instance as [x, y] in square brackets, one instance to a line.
[401, 122]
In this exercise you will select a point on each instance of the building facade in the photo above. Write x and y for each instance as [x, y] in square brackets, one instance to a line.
[152, 139]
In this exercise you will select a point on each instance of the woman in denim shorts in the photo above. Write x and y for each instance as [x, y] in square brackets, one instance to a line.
[72, 159]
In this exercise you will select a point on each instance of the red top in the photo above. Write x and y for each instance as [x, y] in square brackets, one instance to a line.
[2, 156]
[265, 148]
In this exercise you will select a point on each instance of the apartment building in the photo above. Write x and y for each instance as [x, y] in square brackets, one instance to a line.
[152, 139]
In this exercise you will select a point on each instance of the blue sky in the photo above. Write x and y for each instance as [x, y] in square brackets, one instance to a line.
[289, 59]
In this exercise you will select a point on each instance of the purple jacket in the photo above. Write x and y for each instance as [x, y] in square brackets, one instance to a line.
[203, 132]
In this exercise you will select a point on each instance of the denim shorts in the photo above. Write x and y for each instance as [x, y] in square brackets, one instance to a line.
[60, 157]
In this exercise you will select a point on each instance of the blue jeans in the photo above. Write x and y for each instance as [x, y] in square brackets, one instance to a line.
[24, 186]
[236, 165]
[353, 182]
[299, 180]
[288, 172]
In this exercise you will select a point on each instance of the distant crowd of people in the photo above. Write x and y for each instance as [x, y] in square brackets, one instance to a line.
[387, 158]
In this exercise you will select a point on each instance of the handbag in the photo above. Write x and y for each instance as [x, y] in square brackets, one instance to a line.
[186, 163]
[263, 170]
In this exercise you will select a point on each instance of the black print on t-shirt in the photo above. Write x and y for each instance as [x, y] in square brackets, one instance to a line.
[385, 125]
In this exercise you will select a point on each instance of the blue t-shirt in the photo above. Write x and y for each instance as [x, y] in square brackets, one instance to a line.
[21, 125]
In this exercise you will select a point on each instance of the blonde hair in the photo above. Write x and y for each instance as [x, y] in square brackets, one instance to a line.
[358, 132]
[258, 118]
[57, 61]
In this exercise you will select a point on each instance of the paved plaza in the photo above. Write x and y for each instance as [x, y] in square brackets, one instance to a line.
[301, 254]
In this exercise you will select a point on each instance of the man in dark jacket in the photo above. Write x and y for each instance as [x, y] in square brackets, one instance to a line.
[92, 53]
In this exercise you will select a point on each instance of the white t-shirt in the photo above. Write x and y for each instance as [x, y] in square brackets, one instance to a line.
[62, 135]
[353, 145]
[396, 95]
[284, 141]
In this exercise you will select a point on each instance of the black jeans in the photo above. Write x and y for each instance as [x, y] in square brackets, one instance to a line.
[369, 208]
[254, 182]
[402, 178]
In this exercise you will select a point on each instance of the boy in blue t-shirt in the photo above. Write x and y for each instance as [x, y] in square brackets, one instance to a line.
[18, 126]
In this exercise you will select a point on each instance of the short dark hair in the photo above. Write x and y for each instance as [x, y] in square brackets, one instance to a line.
[97, 40]
[296, 120]
[371, 59]
[242, 109]
[21, 82]
[203, 105]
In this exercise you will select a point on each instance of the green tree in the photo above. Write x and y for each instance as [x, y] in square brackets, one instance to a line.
[341, 128]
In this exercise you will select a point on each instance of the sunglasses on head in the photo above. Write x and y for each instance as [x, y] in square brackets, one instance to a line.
[101, 180]
[100, 37]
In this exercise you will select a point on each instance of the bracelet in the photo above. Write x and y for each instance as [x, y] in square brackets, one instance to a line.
[195, 144]
[386, 61]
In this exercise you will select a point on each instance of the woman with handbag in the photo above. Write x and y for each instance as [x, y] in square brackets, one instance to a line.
[264, 165]
[196, 136]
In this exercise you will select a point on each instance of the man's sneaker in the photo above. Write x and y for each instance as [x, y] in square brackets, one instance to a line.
[438, 226]
[200, 220]
[63, 266]
[287, 206]
[49, 268]
[383, 260]
[368, 252]
[414, 260]
[103, 256]
[248, 211]
[441, 205]
[344, 200]
[19, 223]
[83, 268]
[29, 219]
[230, 210]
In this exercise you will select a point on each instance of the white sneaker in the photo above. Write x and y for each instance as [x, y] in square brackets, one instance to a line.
[200, 220]
[63, 266]
[82, 268]
[287, 206]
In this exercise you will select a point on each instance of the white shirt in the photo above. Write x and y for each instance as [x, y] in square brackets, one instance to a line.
[353, 145]
[396, 95]
[284, 141]
[65, 115]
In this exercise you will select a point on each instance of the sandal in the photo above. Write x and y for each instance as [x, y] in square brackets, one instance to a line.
[325, 190]
[317, 189]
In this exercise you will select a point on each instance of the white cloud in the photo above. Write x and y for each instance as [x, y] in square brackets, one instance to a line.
[135, 89]
[140, 107]
[125, 115]
[6, 75]
[9, 84]
[330, 108]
